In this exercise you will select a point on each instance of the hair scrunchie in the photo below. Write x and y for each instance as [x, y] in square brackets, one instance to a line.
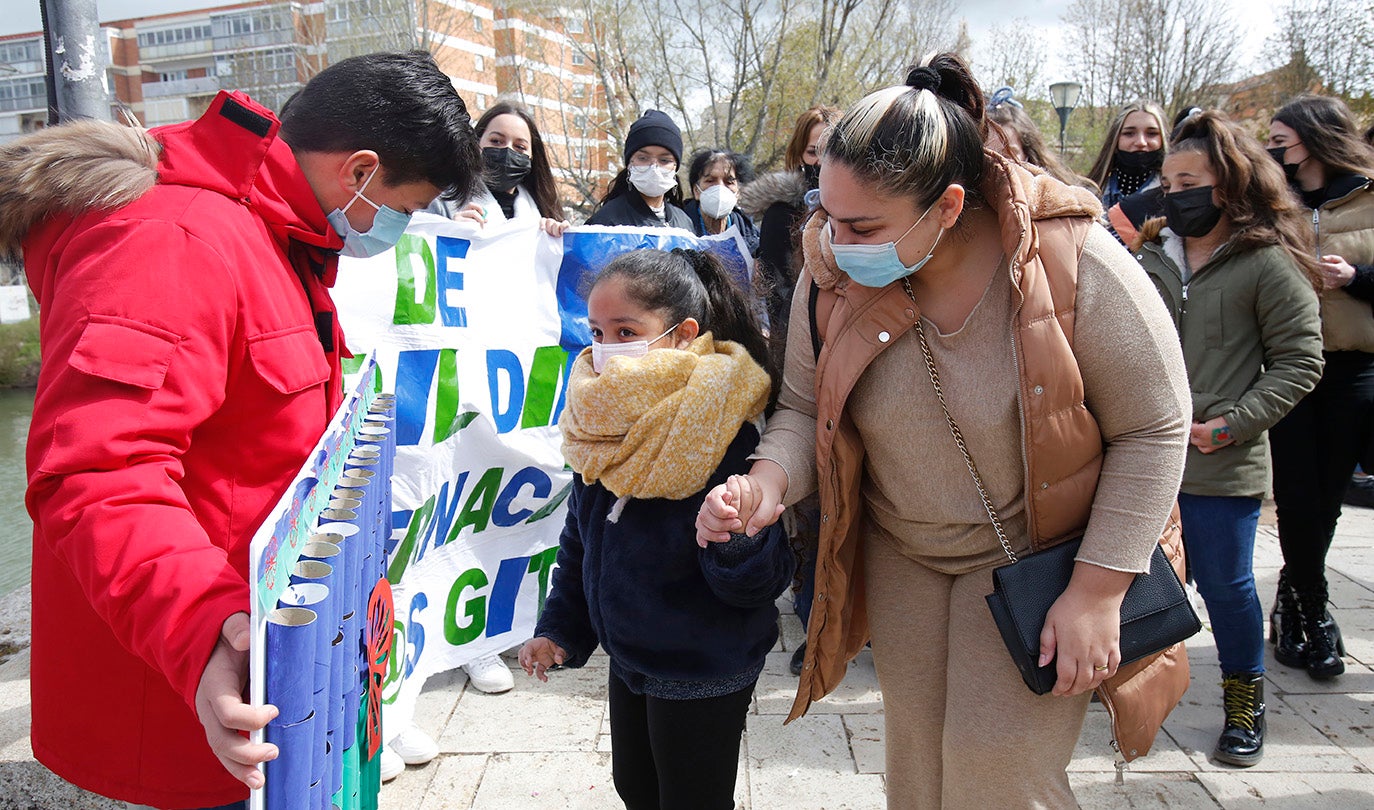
[1003, 95]
[923, 78]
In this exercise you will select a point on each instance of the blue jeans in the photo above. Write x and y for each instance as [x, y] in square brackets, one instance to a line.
[1219, 538]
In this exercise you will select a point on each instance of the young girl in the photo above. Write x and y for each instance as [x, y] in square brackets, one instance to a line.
[646, 192]
[1235, 268]
[662, 407]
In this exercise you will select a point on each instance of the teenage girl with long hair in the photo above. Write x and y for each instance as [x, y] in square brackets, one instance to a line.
[1317, 446]
[1235, 268]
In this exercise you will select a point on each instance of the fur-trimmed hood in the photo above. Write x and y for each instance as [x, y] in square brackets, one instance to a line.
[71, 168]
[1018, 194]
[775, 187]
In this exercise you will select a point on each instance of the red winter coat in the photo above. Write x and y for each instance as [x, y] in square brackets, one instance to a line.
[183, 384]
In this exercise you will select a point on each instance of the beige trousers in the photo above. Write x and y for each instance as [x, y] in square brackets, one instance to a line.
[962, 729]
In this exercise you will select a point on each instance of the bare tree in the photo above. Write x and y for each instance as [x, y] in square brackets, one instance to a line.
[1012, 54]
[1164, 50]
[1327, 43]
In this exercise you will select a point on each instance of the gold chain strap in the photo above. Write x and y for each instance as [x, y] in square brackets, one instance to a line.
[954, 431]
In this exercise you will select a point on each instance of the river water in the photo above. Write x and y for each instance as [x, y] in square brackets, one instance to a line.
[16, 532]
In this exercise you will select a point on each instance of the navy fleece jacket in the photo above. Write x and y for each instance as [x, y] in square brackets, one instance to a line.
[669, 613]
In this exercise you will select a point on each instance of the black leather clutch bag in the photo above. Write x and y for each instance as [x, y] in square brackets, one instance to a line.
[1155, 614]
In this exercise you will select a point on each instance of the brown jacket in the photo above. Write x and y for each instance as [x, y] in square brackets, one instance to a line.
[1043, 227]
[1345, 227]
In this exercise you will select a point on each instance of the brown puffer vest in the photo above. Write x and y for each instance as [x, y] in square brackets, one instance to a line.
[1044, 224]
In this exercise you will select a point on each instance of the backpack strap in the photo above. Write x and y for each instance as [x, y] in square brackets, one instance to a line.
[820, 307]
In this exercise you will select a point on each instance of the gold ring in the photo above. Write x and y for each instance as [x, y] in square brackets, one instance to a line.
[1102, 668]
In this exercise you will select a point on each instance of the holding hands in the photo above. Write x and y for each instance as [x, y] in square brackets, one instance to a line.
[744, 504]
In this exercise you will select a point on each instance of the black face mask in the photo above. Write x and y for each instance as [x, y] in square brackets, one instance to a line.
[1290, 170]
[1191, 212]
[812, 174]
[505, 168]
[1139, 162]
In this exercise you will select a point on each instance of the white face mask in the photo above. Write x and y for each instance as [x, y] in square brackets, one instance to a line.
[601, 352]
[718, 201]
[653, 181]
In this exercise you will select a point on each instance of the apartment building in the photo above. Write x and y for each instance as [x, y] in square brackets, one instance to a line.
[167, 68]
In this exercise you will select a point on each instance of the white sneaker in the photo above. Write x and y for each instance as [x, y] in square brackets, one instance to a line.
[490, 674]
[392, 764]
[413, 746]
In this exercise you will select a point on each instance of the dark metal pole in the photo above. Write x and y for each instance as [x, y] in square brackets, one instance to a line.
[1063, 125]
[76, 61]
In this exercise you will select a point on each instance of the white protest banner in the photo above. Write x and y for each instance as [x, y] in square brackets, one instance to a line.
[473, 329]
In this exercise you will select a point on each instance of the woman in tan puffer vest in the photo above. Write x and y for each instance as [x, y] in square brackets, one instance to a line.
[1317, 445]
[1058, 362]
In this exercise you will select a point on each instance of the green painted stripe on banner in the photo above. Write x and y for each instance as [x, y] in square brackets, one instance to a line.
[446, 396]
[545, 374]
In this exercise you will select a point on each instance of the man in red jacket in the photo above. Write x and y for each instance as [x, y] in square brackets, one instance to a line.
[190, 362]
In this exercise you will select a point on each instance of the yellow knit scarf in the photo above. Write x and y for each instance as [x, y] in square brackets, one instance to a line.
[658, 426]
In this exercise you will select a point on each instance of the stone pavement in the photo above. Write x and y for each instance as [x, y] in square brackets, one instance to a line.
[546, 745]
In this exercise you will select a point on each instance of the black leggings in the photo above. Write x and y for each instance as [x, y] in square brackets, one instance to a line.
[1315, 450]
[676, 754]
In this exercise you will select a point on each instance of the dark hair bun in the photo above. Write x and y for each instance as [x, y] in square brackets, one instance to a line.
[923, 78]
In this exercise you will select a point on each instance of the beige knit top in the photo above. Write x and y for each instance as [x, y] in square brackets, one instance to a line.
[917, 491]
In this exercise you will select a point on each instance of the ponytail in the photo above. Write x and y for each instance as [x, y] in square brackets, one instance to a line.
[729, 315]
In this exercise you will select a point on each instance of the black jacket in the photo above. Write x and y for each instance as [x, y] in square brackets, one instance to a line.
[663, 608]
[630, 209]
[777, 202]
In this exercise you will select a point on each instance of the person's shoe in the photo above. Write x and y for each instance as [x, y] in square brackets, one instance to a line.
[1242, 737]
[489, 674]
[1285, 626]
[798, 658]
[1360, 491]
[1324, 643]
[392, 764]
[413, 746]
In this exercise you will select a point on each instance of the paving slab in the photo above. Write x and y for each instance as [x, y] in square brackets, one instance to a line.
[866, 741]
[1250, 790]
[858, 692]
[561, 715]
[546, 781]
[1140, 791]
[808, 764]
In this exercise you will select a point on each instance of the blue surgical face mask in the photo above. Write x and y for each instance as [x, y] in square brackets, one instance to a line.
[878, 265]
[388, 225]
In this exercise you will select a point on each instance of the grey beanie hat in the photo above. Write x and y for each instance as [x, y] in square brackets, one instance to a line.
[654, 128]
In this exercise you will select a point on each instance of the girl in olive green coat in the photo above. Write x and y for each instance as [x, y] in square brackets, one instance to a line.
[1232, 268]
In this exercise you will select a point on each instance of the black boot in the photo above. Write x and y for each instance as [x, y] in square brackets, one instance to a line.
[1242, 738]
[1285, 626]
[798, 658]
[1324, 643]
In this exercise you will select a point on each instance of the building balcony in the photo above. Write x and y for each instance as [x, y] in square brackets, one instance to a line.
[260, 39]
[199, 86]
[195, 47]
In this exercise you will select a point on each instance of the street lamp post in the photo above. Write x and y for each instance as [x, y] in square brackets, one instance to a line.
[1064, 96]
